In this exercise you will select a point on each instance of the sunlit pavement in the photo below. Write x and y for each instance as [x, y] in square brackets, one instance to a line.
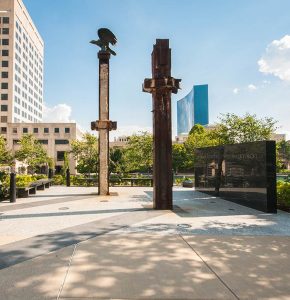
[70, 243]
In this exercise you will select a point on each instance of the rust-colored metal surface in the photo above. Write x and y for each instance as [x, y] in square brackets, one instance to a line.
[161, 85]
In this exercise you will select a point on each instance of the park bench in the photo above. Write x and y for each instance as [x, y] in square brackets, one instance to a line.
[41, 184]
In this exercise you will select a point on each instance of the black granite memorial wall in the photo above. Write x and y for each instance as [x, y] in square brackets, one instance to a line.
[241, 173]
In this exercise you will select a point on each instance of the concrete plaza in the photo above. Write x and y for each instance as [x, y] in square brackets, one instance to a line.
[69, 243]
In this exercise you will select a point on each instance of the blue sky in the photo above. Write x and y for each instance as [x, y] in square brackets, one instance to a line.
[241, 49]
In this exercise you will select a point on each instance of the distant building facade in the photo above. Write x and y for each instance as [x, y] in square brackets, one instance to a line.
[55, 138]
[119, 142]
[192, 109]
[21, 86]
[21, 61]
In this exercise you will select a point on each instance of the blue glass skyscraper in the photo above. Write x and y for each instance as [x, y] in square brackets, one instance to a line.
[192, 109]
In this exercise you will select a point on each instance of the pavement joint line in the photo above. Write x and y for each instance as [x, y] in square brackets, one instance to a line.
[66, 273]
[210, 268]
[18, 206]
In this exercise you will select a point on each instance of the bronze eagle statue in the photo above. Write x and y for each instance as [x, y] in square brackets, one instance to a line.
[106, 37]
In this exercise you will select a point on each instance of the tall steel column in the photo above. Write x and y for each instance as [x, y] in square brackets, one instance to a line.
[104, 125]
[161, 86]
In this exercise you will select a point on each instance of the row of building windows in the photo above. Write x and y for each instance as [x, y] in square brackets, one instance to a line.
[33, 51]
[45, 130]
[4, 20]
[44, 142]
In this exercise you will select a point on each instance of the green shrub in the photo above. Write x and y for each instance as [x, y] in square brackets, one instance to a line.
[41, 176]
[58, 180]
[24, 180]
[283, 193]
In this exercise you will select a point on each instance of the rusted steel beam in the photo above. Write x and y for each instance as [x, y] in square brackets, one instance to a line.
[161, 85]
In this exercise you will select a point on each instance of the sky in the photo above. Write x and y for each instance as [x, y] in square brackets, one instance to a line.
[241, 49]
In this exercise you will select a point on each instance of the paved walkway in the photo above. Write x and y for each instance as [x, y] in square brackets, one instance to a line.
[68, 243]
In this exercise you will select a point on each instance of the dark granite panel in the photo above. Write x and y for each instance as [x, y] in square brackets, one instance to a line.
[241, 173]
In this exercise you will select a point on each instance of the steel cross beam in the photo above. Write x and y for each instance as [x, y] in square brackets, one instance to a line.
[161, 85]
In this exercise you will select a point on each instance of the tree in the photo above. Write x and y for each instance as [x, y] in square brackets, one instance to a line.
[233, 129]
[138, 154]
[282, 154]
[31, 152]
[117, 160]
[199, 137]
[179, 157]
[65, 163]
[6, 157]
[85, 151]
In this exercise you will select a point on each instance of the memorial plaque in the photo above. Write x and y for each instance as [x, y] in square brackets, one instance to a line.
[241, 173]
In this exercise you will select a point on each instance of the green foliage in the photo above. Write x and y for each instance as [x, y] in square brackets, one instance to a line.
[179, 157]
[138, 154]
[58, 179]
[85, 151]
[40, 176]
[282, 155]
[117, 163]
[233, 129]
[199, 137]
[65, 164]
[6, 157]
[4, 181]
[31, 152]
[51, 163]
[24, 180]
[283, 193]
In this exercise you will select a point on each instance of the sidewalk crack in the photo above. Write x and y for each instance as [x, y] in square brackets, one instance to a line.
[65, 276]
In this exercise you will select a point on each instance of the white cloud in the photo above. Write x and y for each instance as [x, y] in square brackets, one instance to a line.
[276, 59]
[236, 91]
[60, 113]
[252, 87]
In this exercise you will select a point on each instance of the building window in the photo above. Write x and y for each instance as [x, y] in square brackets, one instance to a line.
[43, 142]
[4, 96]
[4, 74]
[5, 20]
[14, 130]
[61, 142]
[4, 85]
[4, 119]
[60, 155]
[5, 30]
[35, 130]
[3, 129]
[5, 52]
[4, 107]
[46, 130]
[67, 130]
[5, 42]
[15, 142]
[25, 130]
[56, 130]
[5, 63]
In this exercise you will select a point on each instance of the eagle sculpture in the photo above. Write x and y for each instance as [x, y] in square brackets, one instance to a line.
[106, 37]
